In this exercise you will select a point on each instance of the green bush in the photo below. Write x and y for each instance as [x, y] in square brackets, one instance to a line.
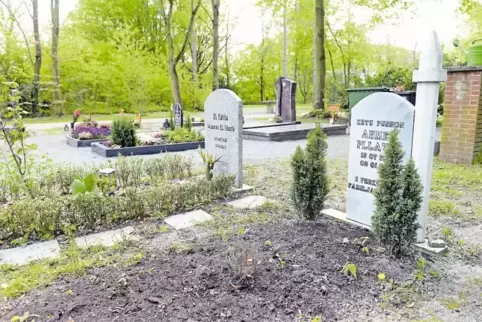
[183, 135]
[41, 218]
[398, 197]
[310, 178]
[123, 132]
[188, 123]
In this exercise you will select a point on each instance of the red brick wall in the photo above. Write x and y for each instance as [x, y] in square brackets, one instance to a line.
[462, 126]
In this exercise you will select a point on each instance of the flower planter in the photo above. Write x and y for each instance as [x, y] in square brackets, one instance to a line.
[107, 152]
[82, 143]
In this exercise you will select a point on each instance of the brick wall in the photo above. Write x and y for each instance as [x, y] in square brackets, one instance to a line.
[462, 126]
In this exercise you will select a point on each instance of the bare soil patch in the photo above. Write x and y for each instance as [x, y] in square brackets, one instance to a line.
[297, 277]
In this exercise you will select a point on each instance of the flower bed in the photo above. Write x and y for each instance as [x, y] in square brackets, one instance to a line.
[86, 133]
[180, 139]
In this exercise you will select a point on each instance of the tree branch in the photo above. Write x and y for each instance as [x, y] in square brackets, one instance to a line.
[17, 22]
[189, 30]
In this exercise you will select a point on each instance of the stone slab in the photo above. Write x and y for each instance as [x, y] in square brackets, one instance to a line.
[425, 248]
[26, 254]
[244, 188]
[250, 202]
[106, 238]
[188, 219]
[107, 152]
[341, 216]
[291, 132]
[82, 143]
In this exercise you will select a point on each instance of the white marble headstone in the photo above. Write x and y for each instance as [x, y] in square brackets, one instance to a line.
[223, 115]
[372, 119]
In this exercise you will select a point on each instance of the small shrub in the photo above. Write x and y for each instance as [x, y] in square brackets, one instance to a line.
[123, 132]
[209, 162]
[188, 123]
[398, 197]
[183, 135]
[349, 268]
[310, 178]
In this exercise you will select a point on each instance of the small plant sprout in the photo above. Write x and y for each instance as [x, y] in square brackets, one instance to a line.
[316, 319]
[209, 162]
[267, 243]
[69, 292]
[366, 250]
[447, 232]
[241, 230]
[350, 269]
[164, 229]
[381, 277]
[421, 263]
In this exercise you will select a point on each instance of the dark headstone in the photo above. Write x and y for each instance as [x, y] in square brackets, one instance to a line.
[178, 115]
[166, 125]
[288, 100]
[279, 95]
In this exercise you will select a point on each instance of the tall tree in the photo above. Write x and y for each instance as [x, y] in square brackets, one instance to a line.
[57, 102]
[38, 59]
[173, 58]
[320, 55]
[194, 48]
[285, 39]
[215, 6]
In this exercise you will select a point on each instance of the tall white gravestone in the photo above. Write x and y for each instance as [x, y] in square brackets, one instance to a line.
[372, 119]
[223, 131]
[428, 78]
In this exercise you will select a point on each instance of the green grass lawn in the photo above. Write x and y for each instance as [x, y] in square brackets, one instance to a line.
[301, 108]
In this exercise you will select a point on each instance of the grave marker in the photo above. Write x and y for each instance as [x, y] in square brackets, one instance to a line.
[279, 94]
[223, 114]
[372, 119]
[178, 115]
[288, 100]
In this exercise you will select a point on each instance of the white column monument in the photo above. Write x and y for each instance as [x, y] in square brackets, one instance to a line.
[428, 79]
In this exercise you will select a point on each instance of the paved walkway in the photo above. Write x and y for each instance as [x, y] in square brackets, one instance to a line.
[253, 151]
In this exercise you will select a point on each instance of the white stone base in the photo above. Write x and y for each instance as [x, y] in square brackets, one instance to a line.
[188, 219]
[26, 254]
[425, 248]
[250, 202]
[245, 188]
[106, 238]
[333, 213]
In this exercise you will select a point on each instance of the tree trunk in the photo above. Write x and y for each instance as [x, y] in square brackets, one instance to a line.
[215, 5]
[194, 50]
[285, 41]
[314, 94]
[320, 55]
[172, 58]
[57, 102]
[38, 60]
[226, 55]
[176, 90]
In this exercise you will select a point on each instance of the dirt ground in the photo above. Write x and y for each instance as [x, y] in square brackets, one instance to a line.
[266, 265]
[297, 276]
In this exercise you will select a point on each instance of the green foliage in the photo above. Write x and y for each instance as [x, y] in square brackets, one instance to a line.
[398, 197]
[85, 185]
[381, 277]
[349, 268]
[310, 179]
[171, 120]
[445, 208]
[188, 123]
[478, 159]
[73, 261]
[209, 163]
[123, 132]
[183, 135]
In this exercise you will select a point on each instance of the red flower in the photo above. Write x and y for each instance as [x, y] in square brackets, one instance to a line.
[77, 113]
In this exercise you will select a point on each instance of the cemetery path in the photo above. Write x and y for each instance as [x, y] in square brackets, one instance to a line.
[254, 152]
